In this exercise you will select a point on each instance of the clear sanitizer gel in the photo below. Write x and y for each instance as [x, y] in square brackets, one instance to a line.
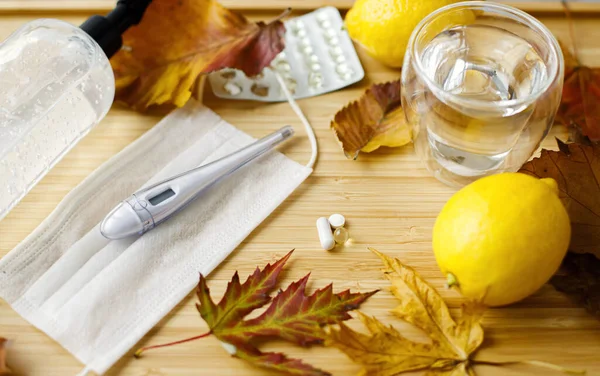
[56, 84]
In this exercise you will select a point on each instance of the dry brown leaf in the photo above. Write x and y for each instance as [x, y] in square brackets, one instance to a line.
[375, 120]
[576, 169]
[579, 277]
[4, 370]
[177, 41]
[385, 352]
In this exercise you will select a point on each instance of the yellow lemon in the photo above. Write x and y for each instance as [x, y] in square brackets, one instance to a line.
[502, 237]
[383, 27]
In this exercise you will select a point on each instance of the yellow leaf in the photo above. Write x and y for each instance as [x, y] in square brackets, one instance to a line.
[385, 352]
[375, 120]
[422, 306]
[177, 41]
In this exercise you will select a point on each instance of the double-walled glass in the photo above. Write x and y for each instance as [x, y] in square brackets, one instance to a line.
[481, 84]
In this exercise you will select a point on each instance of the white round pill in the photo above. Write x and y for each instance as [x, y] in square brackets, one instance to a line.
[325, 234]
[315, 80]
[307, 50]
[322, 16]
[301, 33]
[326, 24]
[337, 221]
[232, 88]
[336, 51]
[333, 41]
[305, 42]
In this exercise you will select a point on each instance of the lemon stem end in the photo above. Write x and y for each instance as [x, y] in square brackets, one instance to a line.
[451, 280]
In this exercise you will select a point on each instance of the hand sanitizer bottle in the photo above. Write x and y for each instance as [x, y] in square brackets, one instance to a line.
[56, 84]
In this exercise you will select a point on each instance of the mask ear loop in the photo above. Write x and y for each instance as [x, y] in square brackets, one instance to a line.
[84, 371]
[309, 129]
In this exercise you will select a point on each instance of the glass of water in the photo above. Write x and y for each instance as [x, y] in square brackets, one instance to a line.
[481, 84]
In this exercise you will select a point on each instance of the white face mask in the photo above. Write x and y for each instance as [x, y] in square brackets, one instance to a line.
[97, 297]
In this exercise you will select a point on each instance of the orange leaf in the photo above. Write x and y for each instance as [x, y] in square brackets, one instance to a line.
[177, 41]
[375, 120]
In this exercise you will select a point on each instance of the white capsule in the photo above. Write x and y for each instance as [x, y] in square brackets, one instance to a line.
[325, 234]
[337, 220]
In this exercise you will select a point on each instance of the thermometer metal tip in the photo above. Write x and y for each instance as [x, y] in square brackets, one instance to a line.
[147, 208]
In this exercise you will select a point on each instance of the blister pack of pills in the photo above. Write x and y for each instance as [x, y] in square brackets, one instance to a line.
[319, 57]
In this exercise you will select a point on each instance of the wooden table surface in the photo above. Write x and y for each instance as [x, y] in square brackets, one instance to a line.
[390, 202]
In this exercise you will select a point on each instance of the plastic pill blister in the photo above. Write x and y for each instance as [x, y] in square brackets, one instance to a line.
[319, 57]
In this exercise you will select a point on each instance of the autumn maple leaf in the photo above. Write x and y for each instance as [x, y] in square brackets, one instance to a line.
[375, 120]
[292, 316]
[177, 41]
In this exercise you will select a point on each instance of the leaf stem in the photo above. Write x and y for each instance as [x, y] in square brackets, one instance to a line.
[535, 363]
[138, 353]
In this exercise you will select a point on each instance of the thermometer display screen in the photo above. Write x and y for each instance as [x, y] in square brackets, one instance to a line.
[162, 197]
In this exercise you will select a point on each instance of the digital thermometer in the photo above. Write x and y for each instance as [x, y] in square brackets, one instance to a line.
[149, 207]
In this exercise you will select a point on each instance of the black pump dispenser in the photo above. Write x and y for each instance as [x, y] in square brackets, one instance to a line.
[107, 30]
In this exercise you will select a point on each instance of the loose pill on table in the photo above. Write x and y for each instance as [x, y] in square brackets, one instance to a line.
[337, 221]
[325, 234]
[341, 236]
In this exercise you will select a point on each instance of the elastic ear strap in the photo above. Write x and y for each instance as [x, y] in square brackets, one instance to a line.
[84, 371]
[309, 129]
